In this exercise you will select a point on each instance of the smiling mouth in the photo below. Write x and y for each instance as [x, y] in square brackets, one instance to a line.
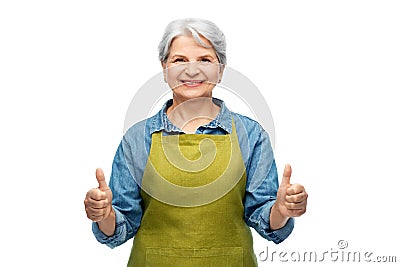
[192, 83]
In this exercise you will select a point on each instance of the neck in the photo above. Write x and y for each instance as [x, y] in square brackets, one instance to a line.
[192, 113]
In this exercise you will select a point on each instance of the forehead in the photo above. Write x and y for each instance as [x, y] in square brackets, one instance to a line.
[187, 45]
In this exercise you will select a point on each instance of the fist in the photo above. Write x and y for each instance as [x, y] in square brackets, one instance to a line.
[98, 200]
[291, 199]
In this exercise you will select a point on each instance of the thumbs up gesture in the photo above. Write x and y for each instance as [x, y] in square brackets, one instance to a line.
[98, 200]
[291, 199]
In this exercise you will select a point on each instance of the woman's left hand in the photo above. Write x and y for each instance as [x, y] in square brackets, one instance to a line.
[291, 199]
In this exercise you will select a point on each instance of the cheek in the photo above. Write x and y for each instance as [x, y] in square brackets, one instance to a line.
[171, 76]
[212, 78]
[212, 74]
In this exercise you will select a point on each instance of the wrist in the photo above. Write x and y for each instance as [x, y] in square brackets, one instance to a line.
[107, 225]
[277, 219]
[110, 214]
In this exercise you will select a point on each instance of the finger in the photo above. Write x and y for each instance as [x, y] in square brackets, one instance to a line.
[95, 218]
[101, 179]
[295, 189]
[96, 194]
[287, 173]
[97, 204]
[95, 212]
[296, 213]
[295, 206]
[297, 198]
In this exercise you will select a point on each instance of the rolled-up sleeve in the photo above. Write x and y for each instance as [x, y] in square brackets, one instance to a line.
[119, 236]
[261, 189]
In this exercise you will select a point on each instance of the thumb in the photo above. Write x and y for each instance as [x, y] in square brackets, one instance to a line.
[101, 180]
[287, 173]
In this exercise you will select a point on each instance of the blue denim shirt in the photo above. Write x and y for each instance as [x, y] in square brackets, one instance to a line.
[131, 158]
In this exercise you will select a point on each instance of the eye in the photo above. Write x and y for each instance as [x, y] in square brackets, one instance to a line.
[178, 60]
[205, 60]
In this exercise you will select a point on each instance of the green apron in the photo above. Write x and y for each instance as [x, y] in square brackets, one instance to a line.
[193, 214]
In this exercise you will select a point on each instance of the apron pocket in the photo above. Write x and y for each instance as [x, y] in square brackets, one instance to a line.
[209, 257]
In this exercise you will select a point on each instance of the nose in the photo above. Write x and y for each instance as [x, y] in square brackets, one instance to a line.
[192, 69]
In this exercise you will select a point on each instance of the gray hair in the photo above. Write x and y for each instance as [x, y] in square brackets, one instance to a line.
[196, 28]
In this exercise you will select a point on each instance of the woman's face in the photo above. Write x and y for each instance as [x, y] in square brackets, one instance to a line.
[191, 70]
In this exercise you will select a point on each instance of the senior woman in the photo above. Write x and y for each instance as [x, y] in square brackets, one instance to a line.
[188, 182]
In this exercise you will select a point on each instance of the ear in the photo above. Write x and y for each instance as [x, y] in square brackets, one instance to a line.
[164, 66]
[221, 72]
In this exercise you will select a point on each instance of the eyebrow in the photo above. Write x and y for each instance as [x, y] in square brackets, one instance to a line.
[202, 56]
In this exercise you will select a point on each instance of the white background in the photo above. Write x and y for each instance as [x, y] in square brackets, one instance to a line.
[329, 70]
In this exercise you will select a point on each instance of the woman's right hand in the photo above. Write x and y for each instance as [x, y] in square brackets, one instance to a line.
[98, 200]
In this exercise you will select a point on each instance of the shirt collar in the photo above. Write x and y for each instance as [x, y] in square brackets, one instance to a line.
[161, 122]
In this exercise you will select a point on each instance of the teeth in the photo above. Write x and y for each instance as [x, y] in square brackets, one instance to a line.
[189, 82]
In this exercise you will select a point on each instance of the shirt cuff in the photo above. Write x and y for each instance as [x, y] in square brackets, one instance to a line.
[277, 236]
[119, 234]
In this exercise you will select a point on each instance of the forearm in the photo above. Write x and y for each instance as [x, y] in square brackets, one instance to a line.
[107, 226]
[276, 220]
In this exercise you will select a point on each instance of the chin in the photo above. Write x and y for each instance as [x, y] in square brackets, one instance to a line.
[191, 93]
